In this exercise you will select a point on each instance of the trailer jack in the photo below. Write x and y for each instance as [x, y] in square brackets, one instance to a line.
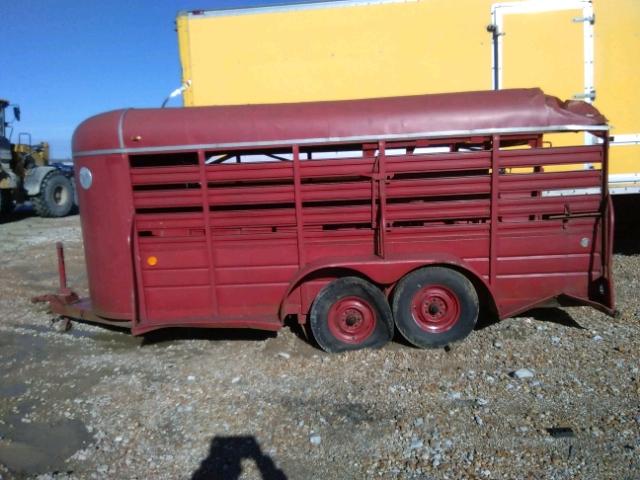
[67, 305]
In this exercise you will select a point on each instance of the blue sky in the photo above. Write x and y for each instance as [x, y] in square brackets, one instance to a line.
[65, 60]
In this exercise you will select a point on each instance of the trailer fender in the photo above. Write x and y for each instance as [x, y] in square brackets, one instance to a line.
[385, 272]
[33, 179]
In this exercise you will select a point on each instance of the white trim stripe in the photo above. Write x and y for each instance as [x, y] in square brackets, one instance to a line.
[620, 140]
[626, 139]
[356, 139]
[121, 127]
[624, 183]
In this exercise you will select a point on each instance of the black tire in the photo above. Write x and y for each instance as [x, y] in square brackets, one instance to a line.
[56, 196]
[349, 314]
[435, 306]
[6, 202]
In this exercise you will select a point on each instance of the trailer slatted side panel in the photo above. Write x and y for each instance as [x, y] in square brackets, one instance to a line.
[237, 223]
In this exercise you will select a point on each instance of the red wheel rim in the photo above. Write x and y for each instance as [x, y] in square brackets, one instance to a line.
[351, 320]
[435, 308]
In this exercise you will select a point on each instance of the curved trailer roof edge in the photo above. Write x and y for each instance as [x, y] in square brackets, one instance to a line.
[421, 116]
[338, 140]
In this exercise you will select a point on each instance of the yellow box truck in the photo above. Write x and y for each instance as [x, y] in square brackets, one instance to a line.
[377, 48]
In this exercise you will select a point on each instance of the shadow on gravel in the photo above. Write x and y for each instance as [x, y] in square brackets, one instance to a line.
[485, 321]
[487, 316]
[627, 224]
[302, 332]
[16, 216]
[173, 334]
[226, 455]
[26, 211]
[549, 314]
[553, 315]
[401, 342]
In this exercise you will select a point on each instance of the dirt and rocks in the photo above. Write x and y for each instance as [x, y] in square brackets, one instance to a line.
[552, 394]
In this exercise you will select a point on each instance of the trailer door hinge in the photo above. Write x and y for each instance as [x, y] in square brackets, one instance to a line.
[591, 19]
[591, 96]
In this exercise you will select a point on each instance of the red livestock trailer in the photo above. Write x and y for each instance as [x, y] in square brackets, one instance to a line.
[353, 216]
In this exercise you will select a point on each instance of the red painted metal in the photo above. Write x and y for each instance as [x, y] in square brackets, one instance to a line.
[62, 270]
[435, 308]
[64, 296]
[185, 227]
[517, 108]
[66, 303]
[495, 206]
[297, 195]
[207, 233]
[351, 320]
[381, 180]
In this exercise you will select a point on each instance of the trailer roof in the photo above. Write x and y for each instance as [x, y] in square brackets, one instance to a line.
[349, 121]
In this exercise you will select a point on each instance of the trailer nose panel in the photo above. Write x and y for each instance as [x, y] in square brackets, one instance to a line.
[106, 225]
[104, 194]
[100, 132]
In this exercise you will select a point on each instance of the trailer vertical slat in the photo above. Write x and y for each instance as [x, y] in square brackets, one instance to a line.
[495, 195]
[204, 189]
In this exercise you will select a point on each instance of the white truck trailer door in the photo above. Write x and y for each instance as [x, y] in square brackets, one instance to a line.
[547, 44]
[551, 44]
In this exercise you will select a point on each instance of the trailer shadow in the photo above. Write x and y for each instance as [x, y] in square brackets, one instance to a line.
[552, 315]
[555, 315]
[226, 456]
[627, 224]
[485, 322]
[166, 335]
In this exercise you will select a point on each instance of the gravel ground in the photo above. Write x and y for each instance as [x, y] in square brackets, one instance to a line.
[99, 403]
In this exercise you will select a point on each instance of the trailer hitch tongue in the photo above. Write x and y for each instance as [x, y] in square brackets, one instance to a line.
[64, 295]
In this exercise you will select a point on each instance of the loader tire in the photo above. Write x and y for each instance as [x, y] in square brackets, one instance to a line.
[56, 196]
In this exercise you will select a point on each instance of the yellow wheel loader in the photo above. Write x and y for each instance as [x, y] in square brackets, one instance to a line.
[26, 175]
